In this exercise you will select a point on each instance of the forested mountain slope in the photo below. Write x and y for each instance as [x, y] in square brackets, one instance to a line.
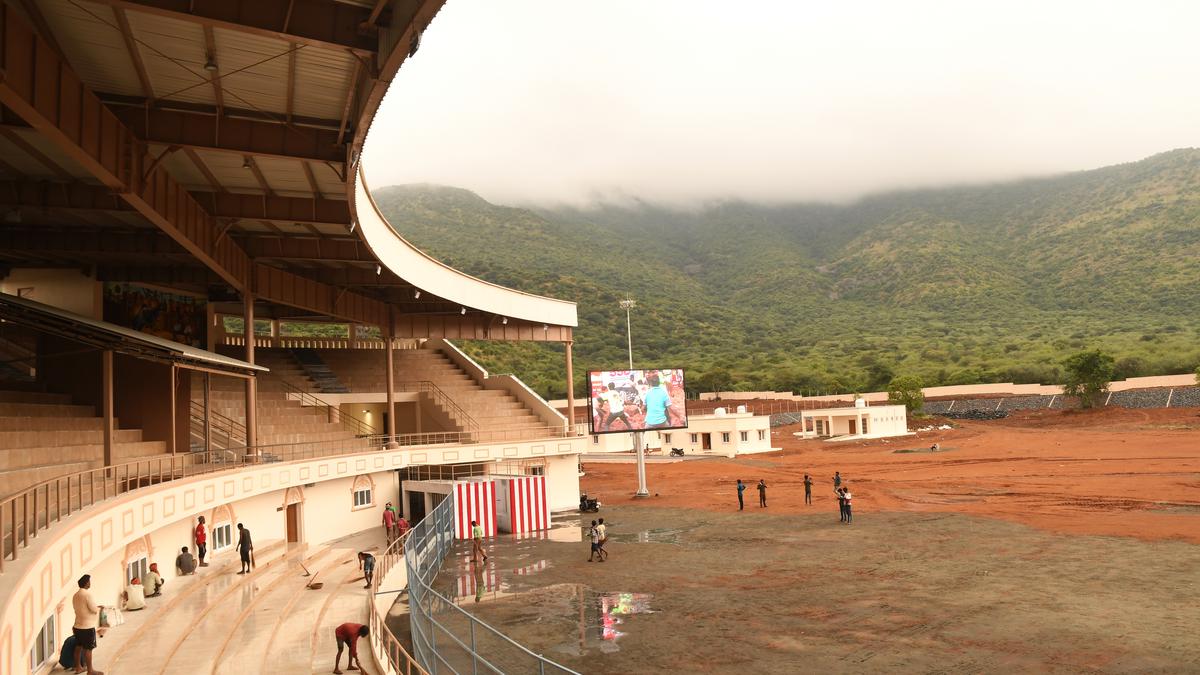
[963, 284]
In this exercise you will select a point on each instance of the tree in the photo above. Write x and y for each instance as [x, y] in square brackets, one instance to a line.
[907, 390]
[1087, 376]
[878, 376]
[715, 379]
[1197, 374]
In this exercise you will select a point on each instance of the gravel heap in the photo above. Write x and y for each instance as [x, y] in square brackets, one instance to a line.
[973, 414]
[1186, 397]
[1140, 398]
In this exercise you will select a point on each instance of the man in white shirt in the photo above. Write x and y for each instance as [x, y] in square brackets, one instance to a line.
[616, 408]
[87, 620]
[849, 513]
[134, 595]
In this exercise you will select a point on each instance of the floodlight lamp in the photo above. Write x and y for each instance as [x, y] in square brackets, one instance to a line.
[416, 295]
[245, 162]
[545, 326]
[504, 320]
[210, 64]
[464, 311]
[378, 269]
[353, 224]
[628, 304]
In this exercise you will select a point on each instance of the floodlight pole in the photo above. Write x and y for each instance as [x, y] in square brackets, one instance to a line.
[627, 305]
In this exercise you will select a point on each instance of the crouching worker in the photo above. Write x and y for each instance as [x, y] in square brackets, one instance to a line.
[347, 635]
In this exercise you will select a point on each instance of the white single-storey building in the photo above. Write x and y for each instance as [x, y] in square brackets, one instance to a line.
[724, 433]
[861, 421]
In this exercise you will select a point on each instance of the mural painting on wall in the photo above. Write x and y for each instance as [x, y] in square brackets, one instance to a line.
[173, 316]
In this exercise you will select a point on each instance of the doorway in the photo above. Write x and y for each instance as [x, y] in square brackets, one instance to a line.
[293, 523]
[416, 506]
[706, 441]
[852, 427]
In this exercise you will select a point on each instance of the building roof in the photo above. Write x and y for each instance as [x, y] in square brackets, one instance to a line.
[214, 146]
[104, 335]
[848, 411]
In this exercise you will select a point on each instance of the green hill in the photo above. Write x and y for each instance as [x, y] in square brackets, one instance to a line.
[965, 284]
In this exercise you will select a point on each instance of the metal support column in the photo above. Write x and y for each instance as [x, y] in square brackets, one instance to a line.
[107, 404]
[208, 414]
[570, 389]
[391, 385]
[174, 411]
[251, 382]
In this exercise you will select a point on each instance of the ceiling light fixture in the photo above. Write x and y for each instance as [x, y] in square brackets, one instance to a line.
[210, 64]
[245, 162]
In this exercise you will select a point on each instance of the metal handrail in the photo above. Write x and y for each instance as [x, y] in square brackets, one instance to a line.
[381, 635]
[441, 398]
[425, 549]
[359, 427]
[233, 430]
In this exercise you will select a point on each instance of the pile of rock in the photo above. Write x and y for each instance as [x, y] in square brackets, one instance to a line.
[976, 414]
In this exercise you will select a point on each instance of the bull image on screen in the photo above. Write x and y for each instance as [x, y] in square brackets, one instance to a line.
[621, 401]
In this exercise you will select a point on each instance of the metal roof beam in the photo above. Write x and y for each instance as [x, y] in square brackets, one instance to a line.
[233, 135]
[119, 102]
[318, 23]
[222, 205]
[40, 87]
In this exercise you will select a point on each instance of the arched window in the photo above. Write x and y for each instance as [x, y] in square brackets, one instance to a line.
[137, 559]
[363, 493]
[220, 528]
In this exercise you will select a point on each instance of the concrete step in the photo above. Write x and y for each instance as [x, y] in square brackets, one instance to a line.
[52, 438]
[45, 410]
[34, 397]
[51, 423]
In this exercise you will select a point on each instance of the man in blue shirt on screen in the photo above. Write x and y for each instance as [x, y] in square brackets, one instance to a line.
[658, 403]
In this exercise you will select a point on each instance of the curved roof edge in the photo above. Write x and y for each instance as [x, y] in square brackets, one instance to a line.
[437, 278]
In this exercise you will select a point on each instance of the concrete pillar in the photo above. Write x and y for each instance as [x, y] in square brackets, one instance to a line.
[428, 502]
[251, 382]
[829, 425]
[570, 390]
[174, 409]
[107, 404]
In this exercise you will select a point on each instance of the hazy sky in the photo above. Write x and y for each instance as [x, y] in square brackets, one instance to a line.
[687, 100]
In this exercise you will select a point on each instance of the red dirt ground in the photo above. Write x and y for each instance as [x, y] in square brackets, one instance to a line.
[1110, 471]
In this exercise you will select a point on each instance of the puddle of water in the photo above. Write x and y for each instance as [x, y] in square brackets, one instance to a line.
[600, 619]
[489, 581]
[661, 535]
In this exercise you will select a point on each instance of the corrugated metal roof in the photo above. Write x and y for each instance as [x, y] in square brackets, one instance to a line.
[227, 167]
[286, 176]
[262, 85]
[182, 76]
[323, 77]
[106, 335]
[92, 43]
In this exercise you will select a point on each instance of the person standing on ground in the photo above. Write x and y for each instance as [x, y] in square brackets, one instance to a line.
[594, 538]
[741, 487]
[245, 547]
[185, 562]
[347, 636]
[841, 504]
[849, 514]
[389, 524]
[602, 538]
[201, 539]
[87, 620]
[837, 479]
[807, 489]
[477, 542]
[366, 563]
[762, 493]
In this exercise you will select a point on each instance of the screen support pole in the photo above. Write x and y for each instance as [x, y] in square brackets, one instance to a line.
[638, 438]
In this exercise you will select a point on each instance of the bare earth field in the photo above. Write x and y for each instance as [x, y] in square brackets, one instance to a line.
[1052, 542]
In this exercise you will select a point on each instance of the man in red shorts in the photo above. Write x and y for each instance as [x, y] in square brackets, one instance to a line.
[201, 537]
[347, 635]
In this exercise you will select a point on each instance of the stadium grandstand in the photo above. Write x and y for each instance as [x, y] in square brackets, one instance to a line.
[205, 314]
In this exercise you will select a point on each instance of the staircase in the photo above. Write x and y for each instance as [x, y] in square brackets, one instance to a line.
[282, 417]
[317, 372]
[45, 435]
[497, 414]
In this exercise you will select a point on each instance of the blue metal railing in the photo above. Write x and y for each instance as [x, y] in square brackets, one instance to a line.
[446, 638]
